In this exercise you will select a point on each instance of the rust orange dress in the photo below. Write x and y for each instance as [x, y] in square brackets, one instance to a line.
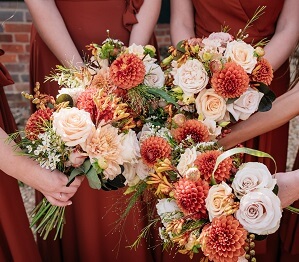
[16, 239]
[209, 17]
[91, 233]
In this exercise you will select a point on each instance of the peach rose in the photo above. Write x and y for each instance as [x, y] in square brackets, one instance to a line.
[242, 54]
[73, 125]
[210, 105]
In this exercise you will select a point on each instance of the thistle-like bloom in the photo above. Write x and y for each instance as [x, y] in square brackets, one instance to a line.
[193, 128]
[262, 72]
[231, 82]
[223, 240]
[36, 123]
[127, 71]
[190, 196]
[86, 102]
[153, 149]
[205, 163]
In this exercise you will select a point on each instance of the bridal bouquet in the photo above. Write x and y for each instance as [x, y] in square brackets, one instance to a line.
[220, 77]
[90, 128]
[206, 198]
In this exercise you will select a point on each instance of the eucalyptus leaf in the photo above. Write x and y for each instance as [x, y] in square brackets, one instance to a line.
[86, 165]
[93, 179]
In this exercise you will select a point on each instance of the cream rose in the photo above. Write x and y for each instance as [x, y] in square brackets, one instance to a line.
[130, 174]
[76, 158]
[218, 200]
[130, 152]
[260, 212]
[191, 77]
[167, 209]
[154, 76]
[210, 105]
[139, 51]
[214, 130]
[187, 160]
[73, 125]
[242, 54]
[73, 92]
[251, 176]
[245, 105]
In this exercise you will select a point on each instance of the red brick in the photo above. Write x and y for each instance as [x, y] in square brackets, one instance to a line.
[5, 38]
[14, 68]
[20, 87]
[22, 38]
[24, 58]
[13, 48]
[14, 27]
[8, 58]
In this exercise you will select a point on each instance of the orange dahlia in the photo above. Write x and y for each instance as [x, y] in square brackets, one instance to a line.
[127, 71]
[153, 149]
[36, 123]
[86, 102]
[232, 81]
[223, 240]
[190, 196]
[193, 128]
[263, 72]
[205, 163]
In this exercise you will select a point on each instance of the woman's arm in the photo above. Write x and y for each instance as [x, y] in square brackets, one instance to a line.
[147, 19]
[288, 191]
[286, 36]
[181, 20]
[283, 109]
[51, 183]
[52, 29]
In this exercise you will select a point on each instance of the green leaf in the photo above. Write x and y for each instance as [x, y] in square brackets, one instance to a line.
[86, 165]
[267, 99]
[180, 46]
[93, 179]
[76, 172]
[161, 93]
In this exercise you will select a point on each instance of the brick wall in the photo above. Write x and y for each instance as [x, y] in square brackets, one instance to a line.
[15, 24]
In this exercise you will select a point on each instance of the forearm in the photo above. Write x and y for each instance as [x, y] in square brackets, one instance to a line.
[52, 29]
[147, 19]
[286, 35]
[181, 20]
[283, 109]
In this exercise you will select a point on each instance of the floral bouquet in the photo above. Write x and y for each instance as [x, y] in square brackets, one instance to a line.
[219, 77]
[206, 198]
[90, 128]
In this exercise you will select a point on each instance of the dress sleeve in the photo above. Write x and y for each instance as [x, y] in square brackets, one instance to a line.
[132, 8]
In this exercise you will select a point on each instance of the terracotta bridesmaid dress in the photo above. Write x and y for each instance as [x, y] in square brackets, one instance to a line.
[90, 233]
[16, 238]
[209, 16]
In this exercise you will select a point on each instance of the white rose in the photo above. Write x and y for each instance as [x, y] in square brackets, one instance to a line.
[218, 199]
[191, 77]
[251, 176]
[154, 76]
[214, 130]
[242, 54]
[130, 152]
[130, 174]
[73, 125]
[186, 160]
[210, 105]
[245, 105]
[139, 51]
[167, 209]
[260, 212]
[142, 170]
